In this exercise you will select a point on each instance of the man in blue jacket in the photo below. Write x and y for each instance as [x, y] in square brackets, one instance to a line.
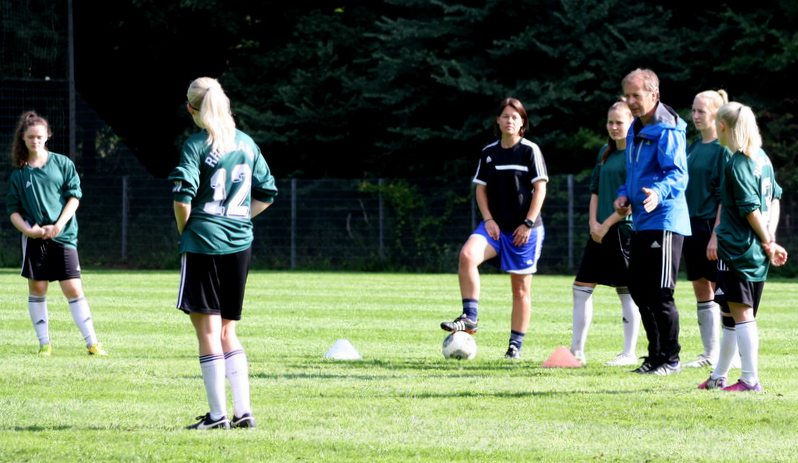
[656, 179]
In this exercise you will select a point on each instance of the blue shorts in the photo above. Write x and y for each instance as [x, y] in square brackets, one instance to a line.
[522, 260]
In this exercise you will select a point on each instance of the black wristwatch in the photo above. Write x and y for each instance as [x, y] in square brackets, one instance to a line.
[529, 223]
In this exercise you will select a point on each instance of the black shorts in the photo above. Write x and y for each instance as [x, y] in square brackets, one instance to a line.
[732, 288]
[46, 260]
[694, 251]
[606, 263]
[213, 285]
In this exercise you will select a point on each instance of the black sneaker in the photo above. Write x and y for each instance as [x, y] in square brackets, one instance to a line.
[645, 367]
[205, 422]
[461, 323]
[512, 353]
[244, 421]
[666, 369]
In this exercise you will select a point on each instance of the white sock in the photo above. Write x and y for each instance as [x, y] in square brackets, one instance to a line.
[631, 321]
[82, 317]
[748, 343]
[238, 374]
[213, 375]
[37, 308]
[728, 349]
[709, 325]
[583, 315]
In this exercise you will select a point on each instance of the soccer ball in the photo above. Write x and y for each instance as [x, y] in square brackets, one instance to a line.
[459, 345]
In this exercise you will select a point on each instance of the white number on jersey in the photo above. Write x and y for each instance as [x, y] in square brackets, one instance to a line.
[240, 177]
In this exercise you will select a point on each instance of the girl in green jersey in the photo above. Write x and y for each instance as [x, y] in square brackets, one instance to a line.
[746, 246]
[43, 195]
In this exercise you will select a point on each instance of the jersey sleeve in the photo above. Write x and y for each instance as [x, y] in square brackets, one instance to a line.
[185, 176]
[537, 165]
[13, 201]
[263, 187]
[71, 188]
[745, 186]
[481, 176]
[723, 157]
[596, 174]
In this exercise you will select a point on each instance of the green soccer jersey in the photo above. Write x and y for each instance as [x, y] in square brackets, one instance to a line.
[747, 185]
[705, 162]
[39, 195]
[220, 188]
[605, 181]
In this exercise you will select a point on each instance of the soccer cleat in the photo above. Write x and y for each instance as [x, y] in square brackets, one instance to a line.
[513, 353]
[703, 360]
[205, 422]
[97, 349]
[666, 369]
[461, 323]
[711, 384]
[579, 355]
[742, 386]
[244, 421]
[621, 360]
[45, 350]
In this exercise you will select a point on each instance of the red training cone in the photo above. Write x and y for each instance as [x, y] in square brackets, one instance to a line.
[562, 358]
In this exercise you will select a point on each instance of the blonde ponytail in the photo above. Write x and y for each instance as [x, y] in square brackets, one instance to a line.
[743, 130]
[212, 112]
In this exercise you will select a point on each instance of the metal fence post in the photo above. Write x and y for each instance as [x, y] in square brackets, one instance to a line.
[570, 221]
[293, 223]
[382, 243]
[125, 214]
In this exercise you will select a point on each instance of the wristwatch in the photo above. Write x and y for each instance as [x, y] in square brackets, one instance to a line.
[529, 223]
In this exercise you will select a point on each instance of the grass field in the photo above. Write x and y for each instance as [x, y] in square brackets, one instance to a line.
[403, 402]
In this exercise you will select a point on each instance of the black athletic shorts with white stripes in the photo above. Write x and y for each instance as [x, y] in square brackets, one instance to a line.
[213, 285]
[46, 260]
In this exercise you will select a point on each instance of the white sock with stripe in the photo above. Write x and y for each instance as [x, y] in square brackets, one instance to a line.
[81, 314]
[37, 308]
[213, 371]
[748, 343]
[582, 317]
[631, 321]
[238, 374]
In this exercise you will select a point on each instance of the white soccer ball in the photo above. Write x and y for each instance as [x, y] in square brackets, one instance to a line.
[459, 345]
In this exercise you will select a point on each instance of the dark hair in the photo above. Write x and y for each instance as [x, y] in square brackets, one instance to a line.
[612, 145]
[515, 104]
[19, 150]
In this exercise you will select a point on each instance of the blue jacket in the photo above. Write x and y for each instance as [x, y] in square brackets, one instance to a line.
[656, 158]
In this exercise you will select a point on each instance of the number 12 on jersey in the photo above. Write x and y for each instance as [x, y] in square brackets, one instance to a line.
[230, 205]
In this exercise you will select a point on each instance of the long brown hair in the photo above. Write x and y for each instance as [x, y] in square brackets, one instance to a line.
[612, 145]
[19, 150]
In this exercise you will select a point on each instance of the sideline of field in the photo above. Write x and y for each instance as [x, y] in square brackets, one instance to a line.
[403, 402]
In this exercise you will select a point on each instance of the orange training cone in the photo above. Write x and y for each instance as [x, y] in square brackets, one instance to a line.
[562, 358]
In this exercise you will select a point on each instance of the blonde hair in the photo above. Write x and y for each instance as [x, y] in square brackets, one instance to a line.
[743, 131]
[714, 99]
[212, 112]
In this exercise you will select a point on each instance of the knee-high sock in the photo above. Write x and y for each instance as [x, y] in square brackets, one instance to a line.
[37, 308]
[82, 317]
[583, 315]
[631, 320]
[748, 343]
[213, 371]
[709, 326]
[728, 350]
[238, 374]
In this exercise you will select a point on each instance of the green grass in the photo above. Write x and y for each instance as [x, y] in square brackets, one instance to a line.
[403, 402]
